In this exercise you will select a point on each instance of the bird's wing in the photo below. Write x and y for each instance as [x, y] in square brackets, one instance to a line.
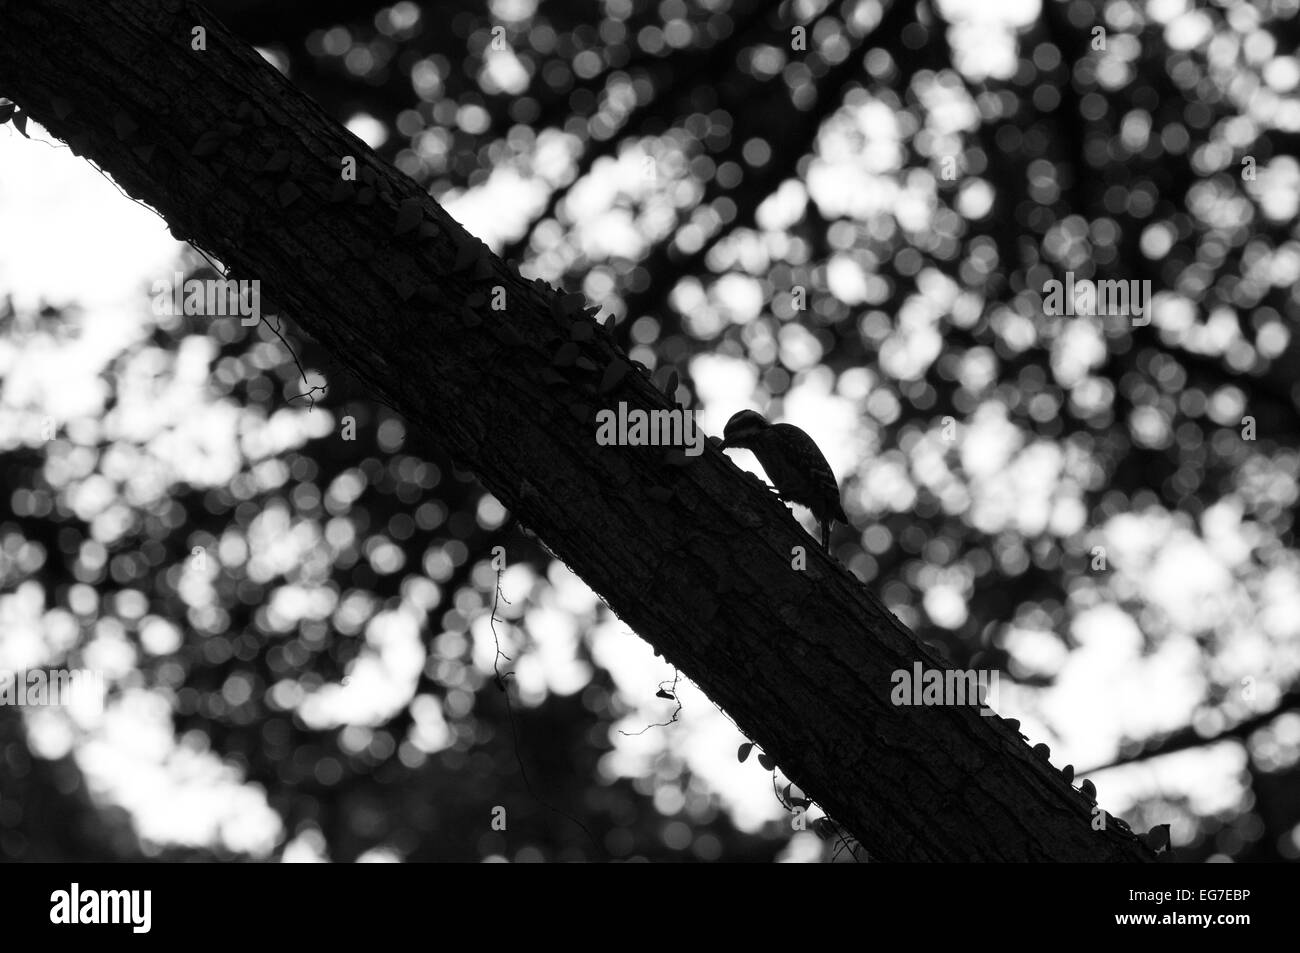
[814, 464]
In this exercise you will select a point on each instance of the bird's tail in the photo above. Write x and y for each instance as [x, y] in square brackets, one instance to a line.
[835, 514]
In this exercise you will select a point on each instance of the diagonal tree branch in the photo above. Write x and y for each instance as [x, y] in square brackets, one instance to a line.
[1188, 737]
[691, 553]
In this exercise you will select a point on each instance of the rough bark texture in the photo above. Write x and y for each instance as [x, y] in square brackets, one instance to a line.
[691, 553]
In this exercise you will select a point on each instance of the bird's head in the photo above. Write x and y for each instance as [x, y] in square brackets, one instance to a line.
[742, 428]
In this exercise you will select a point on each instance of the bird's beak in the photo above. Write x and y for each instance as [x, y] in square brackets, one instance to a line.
[722, 444]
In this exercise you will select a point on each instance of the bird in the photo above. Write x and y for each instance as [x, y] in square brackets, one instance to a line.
[792, 462]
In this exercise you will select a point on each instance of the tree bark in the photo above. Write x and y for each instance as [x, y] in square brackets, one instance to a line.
[689, 552]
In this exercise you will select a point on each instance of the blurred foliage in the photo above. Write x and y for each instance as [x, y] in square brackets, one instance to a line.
[922, 172]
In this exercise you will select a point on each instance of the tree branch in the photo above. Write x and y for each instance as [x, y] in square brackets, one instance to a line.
[690, 552]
